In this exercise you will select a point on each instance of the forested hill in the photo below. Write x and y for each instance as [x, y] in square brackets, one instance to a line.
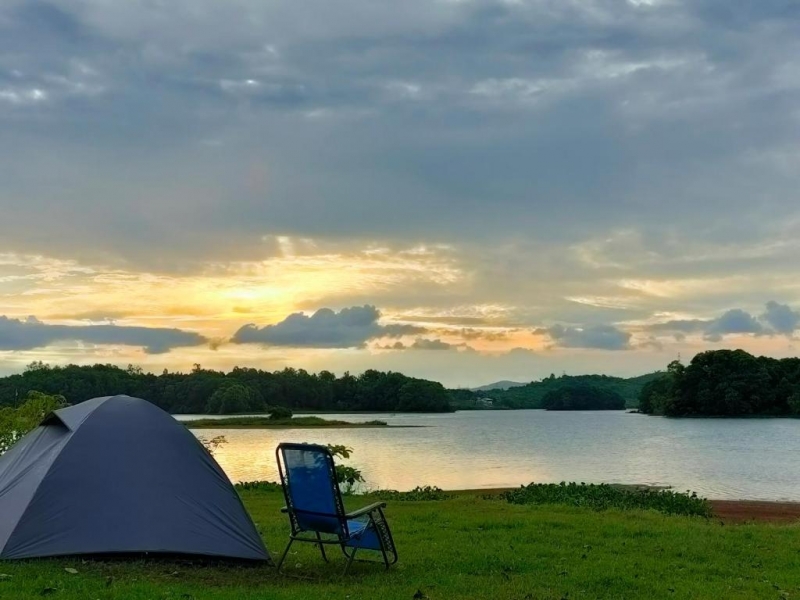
[532, 394]
[725, 383]
[256, 390]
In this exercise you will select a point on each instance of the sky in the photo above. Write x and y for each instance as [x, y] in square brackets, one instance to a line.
[463, 190]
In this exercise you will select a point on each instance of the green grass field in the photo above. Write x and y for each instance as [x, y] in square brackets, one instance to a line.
[464, 547]
[268, 423]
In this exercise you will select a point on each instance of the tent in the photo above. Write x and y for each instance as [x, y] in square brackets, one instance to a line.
[119, 475]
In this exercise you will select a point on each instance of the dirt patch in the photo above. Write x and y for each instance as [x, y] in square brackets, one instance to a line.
[742, 511]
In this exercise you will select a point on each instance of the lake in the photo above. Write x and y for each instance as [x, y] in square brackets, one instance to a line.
[755, 459]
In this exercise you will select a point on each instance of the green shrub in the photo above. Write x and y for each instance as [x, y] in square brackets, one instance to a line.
[418, 493]
[258, 486]
[279, 413]
[16, 422]
[347, 477]
[604, 496]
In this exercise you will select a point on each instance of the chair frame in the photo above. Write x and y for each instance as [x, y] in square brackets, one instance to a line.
[376, 519]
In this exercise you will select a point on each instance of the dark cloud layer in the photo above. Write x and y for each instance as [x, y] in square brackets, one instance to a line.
[455, 120]
[16, 334]
[349, 328]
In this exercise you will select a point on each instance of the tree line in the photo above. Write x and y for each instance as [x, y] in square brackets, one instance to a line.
[725, 383]
[239, 391]
[532, 395]
[579, 396]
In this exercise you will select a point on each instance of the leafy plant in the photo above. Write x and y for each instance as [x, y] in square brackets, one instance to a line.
[16, 422]
[346, 476]
[425, 493]
[604, 496]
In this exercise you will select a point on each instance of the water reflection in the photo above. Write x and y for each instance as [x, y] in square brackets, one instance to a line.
[743, 458]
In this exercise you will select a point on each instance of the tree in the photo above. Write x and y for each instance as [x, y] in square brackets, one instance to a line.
[231, 399]
[16, 422]
[577, 396]
[794, 403]
[419, 395]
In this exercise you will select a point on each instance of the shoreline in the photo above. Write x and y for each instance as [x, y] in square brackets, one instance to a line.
[295, 422]
[189, 425]
[728, 511]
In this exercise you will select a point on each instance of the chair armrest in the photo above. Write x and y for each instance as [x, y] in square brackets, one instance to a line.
[366, 510]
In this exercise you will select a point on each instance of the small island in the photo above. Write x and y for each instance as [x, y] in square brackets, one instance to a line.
[268, 422]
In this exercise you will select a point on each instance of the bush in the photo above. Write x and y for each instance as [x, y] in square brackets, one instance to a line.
[279, 413]
[604, 496]
[16, 422]
[418, 493]
[258, 486]
[348, 476]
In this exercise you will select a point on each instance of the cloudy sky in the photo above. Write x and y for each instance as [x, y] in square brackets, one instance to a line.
[466, 190]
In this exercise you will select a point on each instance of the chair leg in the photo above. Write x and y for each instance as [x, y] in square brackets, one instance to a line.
[321, 547]
[350, 561]
[285, 552]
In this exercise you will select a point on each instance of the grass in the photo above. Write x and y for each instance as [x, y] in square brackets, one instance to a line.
[463, 547]
[268, 423]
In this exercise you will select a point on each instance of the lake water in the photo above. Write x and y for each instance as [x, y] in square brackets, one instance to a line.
[717, 458]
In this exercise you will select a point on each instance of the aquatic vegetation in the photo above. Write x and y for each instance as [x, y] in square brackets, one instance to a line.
[418, 493]
[604, 496]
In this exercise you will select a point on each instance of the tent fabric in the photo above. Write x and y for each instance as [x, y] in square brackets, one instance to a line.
[119, 475]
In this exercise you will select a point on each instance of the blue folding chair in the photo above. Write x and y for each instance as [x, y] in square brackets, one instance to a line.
[316, 511]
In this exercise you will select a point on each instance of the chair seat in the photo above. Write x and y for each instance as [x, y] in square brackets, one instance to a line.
[356, 528]
[362, 536]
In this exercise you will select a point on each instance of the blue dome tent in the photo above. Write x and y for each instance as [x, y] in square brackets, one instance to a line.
[119, 475]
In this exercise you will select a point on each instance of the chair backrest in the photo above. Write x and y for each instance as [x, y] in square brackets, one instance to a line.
[313, 499]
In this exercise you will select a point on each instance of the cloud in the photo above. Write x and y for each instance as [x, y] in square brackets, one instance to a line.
[447, 319]
[781, 318]
[423, 344]
[491, 335]
[426, 344]
[658, 84]
[681, 326]
[776, 319]
[349, 328]
[447, 135]
[603, 337]
[98, 315]
[732, 321]
[16, 334]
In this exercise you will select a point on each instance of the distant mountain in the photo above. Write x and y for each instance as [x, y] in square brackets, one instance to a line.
[497, 385]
